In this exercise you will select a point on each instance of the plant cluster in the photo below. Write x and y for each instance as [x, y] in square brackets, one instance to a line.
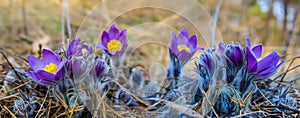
[231, 80]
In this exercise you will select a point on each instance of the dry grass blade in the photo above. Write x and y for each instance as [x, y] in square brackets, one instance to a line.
[246, 114]
[208, 100]
[183, 109]
[43, 102]
[8, 97]
[79, 108]
[17, 87]
[11, 113]
[100, 102]
[61, 101]
[48, 114]
[3, 54]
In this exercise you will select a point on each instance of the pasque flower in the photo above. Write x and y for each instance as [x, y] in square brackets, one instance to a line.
[234, 53]
[206, 60]
[234, 59]
[76, 49]
[113, 42]
[182, 46]
[204, 69]
[47, 71]
[77, 65]
[100, 67]
[266, 66]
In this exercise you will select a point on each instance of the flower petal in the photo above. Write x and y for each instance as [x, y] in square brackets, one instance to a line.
[123, 37]
[50, 57]
[85, 50]
[268, 72]
[184, 55]
[193, 41]
[78, 66]
[182, 39]
[173, 47]
[104, 38]
[237, 55]
[114, 32]
[222, 46]
[71, 49]
[199, 48]
[271, 60]
[61, 65]
[206, 58]
[100, 67]
[248, 42]
[123, 40]
[100, 45]
[36, 79]
[257, 50]
[251, 61]
[184, 33]
[45, 76]
[35, 63]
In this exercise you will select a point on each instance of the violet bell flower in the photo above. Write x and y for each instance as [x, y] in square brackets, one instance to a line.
[47, 71]
[76, 49]
[234, 53]
[182, 46]
[264, 68]
[113, 42]
[100, 68]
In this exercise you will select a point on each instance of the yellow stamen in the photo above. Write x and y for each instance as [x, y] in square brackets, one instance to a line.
[183, 47]
[51, 68]
[114, 45]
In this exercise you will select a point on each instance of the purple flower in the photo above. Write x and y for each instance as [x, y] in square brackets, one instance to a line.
[266, 66]
[234, 53]
[47, 71]
[100, 67]
[113, 42]
[206, 58]
[77, 65]
[182, 46]
[75, 49]
[257, 50]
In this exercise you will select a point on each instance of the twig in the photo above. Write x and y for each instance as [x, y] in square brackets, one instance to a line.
[11, 113]
[214, 25]
[246, 114]
[7, 97]
[17, 87]
[3, 54]
[79, 108]
[43, 102]
[287, 70]
[48, 114]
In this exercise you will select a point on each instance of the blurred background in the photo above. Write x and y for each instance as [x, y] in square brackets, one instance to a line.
[25, 24]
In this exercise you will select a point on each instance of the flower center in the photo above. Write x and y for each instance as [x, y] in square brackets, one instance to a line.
[51, 68]
[183, 47]
[84, 52]
[114, 45]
